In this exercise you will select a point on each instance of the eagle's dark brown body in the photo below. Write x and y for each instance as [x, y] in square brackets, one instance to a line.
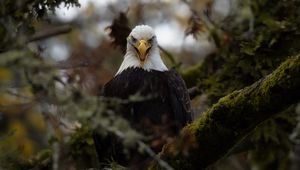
[165, 110]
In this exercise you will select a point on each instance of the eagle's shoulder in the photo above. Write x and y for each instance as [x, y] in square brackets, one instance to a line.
[128, 82]
[179, 96]
[113, 87]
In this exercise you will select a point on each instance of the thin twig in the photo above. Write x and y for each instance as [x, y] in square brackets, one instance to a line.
[148, 150]
[18, 95]
[42, 35]
[151, 153]
[169, 55]
[20, 107]
[66, 66]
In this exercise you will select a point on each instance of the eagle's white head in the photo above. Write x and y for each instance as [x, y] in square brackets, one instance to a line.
[142, 50]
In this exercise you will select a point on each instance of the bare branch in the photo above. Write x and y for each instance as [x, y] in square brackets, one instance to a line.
[50, 33]
[64, 65]
[193, 92]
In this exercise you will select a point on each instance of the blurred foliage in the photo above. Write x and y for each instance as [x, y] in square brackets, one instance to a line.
[81, 148]
[249, 52]
[272, 141]
[17, 19]
[10, 157]
[39, 109]
[119, 30]
[47, 98]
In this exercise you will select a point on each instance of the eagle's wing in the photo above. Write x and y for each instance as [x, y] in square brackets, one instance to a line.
[179, 98]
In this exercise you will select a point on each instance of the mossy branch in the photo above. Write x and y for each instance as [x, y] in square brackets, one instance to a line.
[232, 118]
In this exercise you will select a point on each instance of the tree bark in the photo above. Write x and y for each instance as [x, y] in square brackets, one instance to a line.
[231, 119]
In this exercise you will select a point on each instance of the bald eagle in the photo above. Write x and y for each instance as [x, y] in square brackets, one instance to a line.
[143, 72]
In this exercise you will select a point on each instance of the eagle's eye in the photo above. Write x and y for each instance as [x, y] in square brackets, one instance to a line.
[151, 39]
[133, 40]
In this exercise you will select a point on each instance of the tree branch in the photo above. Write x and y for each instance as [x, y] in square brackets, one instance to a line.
[66, 64]
[227, 122]
[193, 92]
[50, 33]
[169, 55]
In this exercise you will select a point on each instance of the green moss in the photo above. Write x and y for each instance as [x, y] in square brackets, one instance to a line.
[234, 116]
[191, 75]
[247, 58]
[238, 113]
[43, 155]
[81, 148]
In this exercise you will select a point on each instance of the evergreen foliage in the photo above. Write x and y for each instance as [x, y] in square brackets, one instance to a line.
[252, 77]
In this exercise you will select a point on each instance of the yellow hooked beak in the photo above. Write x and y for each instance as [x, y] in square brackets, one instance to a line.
[143, 47]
